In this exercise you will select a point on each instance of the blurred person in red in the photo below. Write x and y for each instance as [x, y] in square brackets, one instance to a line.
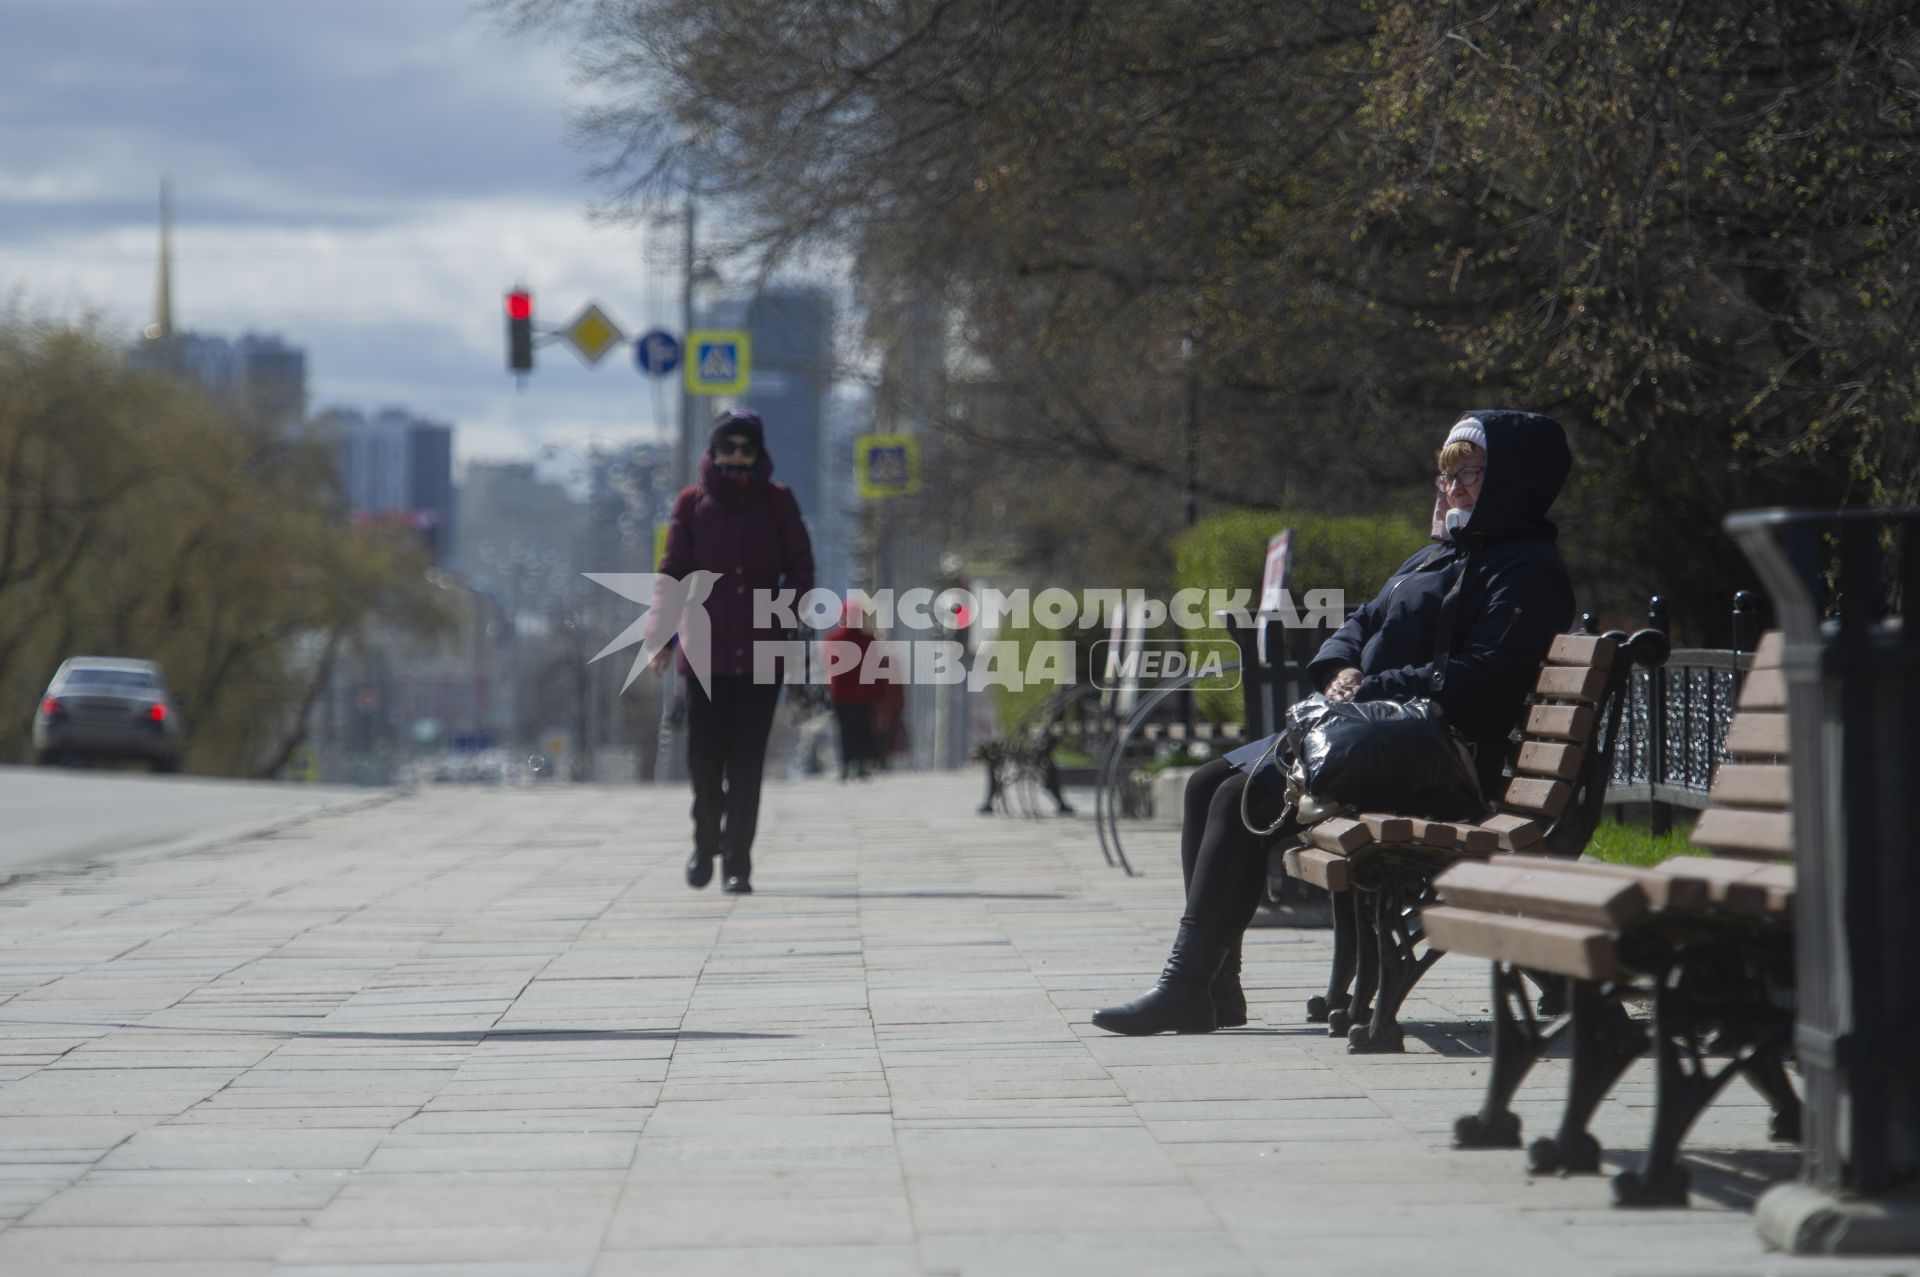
[856, 699]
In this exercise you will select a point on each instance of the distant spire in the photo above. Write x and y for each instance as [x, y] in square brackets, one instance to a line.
[162, 325]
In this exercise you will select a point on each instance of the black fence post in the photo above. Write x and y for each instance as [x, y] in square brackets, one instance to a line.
[1659, 814]
[1273, 669]
[1746, 621]
[1853, 696]
[1252, 707]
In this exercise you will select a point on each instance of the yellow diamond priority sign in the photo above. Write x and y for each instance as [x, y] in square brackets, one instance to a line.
[593, 334]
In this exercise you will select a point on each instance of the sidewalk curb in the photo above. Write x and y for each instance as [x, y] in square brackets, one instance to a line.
[115, 854]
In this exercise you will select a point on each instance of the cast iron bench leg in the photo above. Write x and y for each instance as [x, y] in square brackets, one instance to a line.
[1769, 1077]
[1605, 1042]
[1399, 970]
[1366, 960]
[1340, 979]
[1518, 1040]
[992, 761]
[1687, 1084]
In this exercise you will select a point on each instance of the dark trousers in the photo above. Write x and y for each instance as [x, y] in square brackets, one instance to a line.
[726, 754]
[857, 752]
[1224, 864]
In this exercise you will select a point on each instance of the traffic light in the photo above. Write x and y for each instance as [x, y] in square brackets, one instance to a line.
[520, 331]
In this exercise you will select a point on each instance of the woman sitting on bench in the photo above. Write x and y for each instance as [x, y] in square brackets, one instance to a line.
[1499, 471]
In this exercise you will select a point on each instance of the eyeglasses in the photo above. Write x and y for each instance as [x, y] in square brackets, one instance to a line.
[1465, 476]
[735, 448]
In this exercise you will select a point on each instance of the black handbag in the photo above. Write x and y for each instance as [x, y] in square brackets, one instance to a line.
[1389, 756]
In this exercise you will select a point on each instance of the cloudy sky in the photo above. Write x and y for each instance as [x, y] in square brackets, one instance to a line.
[363, 178]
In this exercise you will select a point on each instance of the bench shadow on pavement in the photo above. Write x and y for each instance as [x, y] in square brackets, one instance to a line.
[1732, 1178]
[1439, 1043]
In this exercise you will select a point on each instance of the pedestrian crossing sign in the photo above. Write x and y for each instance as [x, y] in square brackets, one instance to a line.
[721, 360]
[886, 465]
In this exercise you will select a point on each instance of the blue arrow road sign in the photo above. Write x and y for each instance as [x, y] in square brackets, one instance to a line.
[656, 352]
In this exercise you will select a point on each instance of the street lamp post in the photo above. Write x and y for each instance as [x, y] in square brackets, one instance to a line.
[689, 472]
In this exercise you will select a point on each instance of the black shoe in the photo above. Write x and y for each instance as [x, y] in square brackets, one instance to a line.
[1183, 1000]
[699, 870]
[1229, 999]
[737, 887]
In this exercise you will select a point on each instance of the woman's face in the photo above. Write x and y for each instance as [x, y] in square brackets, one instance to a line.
[1460, 487]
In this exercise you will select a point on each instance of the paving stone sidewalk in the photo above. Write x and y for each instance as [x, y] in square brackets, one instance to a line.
[493, 1032]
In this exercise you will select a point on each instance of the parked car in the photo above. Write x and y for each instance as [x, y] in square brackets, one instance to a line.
[105, 708]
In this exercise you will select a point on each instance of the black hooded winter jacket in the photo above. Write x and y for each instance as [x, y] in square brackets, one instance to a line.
[1516, 597]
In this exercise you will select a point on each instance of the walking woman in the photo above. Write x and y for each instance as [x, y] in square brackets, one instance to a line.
[1499, 471]
[747, 530]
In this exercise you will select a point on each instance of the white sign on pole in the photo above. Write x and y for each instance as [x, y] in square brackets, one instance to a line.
[1275, 580]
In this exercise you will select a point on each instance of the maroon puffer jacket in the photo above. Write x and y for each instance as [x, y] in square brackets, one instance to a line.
[753, 536]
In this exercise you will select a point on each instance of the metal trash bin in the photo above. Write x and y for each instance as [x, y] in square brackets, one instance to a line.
[1853, 695]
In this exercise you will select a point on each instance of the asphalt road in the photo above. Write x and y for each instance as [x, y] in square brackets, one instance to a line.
[53, 816]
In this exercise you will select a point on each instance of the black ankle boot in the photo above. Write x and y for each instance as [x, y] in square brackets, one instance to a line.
[1183, 1000]
[1229, 999]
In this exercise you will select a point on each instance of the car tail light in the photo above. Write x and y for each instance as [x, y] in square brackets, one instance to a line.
[50, 706]
[158, 713]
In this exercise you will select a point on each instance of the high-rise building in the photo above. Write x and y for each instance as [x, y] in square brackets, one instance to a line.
[791, 376]
[396, 468]
[809, 432]
[255, 375]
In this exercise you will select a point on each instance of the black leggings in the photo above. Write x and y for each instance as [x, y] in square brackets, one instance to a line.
[1223, 863]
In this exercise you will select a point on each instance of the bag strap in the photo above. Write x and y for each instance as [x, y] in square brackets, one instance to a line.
[1246, 816]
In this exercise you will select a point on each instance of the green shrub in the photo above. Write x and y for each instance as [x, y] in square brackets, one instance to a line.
[1014, 711]
[1351, 553]
[1632, 845]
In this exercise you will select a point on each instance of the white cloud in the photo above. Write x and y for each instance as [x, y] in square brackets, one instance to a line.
[364, 179]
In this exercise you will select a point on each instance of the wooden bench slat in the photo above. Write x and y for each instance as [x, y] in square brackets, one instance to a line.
[1663, 891]
[1476, 839]
[1318, 866]
[1339, 834]
[1514, 831]
[1561, 722]
[1548, 796]
[1738, 886]
[1752, 785]
[1583, 649]
[1755, 833]
[1764, 689]
[1555, 761]
[1586, 953]
[1571, 683]
[1589, 899]
[1757, 734]
[1388, 828]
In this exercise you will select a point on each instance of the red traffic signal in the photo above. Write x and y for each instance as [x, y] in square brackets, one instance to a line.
[520, 331]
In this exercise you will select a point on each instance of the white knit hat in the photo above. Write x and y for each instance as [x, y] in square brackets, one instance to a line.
[1470, 430]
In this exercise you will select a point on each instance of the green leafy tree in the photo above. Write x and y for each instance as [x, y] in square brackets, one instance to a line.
[137, 520]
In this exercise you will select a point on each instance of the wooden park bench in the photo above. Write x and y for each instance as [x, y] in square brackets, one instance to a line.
[1708, 941]
[1380, 867]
